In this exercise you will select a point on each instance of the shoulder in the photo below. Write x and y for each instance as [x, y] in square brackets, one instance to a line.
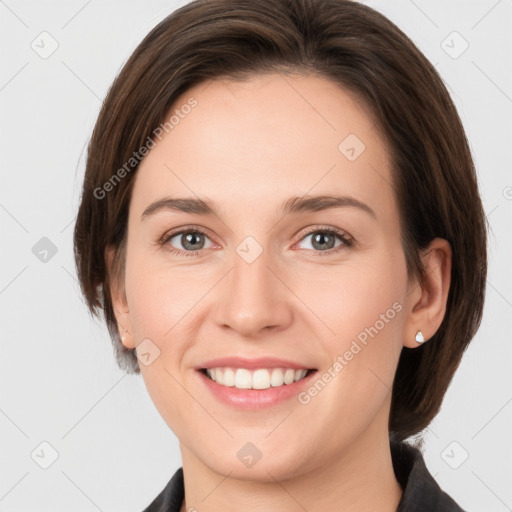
[421, 492]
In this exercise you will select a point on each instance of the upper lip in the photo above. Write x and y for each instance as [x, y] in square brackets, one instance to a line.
[260, 362]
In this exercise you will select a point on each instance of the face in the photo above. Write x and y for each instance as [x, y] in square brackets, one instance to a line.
[264, 285]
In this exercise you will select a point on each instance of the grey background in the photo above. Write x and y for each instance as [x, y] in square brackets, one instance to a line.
[59, 380]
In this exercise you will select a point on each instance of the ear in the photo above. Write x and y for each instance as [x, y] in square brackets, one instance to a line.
[427, 301]
[119, 302]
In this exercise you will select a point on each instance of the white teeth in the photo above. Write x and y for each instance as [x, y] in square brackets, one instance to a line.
[243, 379]
[228, 378]
[299, 374]
[289, 376]
[277, 377]
[262, 378]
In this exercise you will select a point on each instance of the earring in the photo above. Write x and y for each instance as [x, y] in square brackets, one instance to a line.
[123, 334]
[419, 337]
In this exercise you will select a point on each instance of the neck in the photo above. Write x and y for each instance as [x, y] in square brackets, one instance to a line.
[360, 479]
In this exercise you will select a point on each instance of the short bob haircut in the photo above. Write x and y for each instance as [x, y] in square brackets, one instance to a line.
[359, 49]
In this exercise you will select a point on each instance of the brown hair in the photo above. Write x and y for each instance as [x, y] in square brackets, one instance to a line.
[365, 53]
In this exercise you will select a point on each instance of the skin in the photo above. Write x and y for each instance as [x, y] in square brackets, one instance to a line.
[248, 147]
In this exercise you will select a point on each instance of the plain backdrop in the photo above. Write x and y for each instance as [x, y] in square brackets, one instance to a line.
[64, 402]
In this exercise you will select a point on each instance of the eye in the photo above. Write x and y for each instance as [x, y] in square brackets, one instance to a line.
[186, 242]
[191, 241]
[323, 241]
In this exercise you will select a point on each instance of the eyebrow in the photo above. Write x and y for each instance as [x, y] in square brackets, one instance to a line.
[292, 205]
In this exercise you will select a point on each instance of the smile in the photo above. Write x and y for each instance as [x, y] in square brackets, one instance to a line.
[258, 378]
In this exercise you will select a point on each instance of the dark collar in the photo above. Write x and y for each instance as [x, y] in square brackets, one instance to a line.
[421, 491]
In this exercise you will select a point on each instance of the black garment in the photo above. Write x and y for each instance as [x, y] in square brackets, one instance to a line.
[421, 491]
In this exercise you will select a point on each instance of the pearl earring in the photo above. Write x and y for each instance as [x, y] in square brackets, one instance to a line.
[419, 337]
[123, 334]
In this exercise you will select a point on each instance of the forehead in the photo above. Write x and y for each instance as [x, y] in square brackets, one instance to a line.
[266, 138]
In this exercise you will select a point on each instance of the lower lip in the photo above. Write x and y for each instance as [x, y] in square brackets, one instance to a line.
[255, 398]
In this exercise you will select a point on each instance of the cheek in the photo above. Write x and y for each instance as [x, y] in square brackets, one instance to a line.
[161, 302]
[362, 312]
[160, 297]
[157, 304]
[349, 299]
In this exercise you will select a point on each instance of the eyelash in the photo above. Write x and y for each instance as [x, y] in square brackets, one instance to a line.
[347, 241]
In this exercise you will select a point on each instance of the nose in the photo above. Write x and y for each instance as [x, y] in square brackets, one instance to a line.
[254, 298]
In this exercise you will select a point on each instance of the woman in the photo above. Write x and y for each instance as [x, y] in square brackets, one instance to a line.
[281, 222]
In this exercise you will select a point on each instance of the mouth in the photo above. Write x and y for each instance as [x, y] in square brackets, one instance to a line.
[257, 378]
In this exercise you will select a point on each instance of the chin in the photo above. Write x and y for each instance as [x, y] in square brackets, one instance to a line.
[276, 466]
